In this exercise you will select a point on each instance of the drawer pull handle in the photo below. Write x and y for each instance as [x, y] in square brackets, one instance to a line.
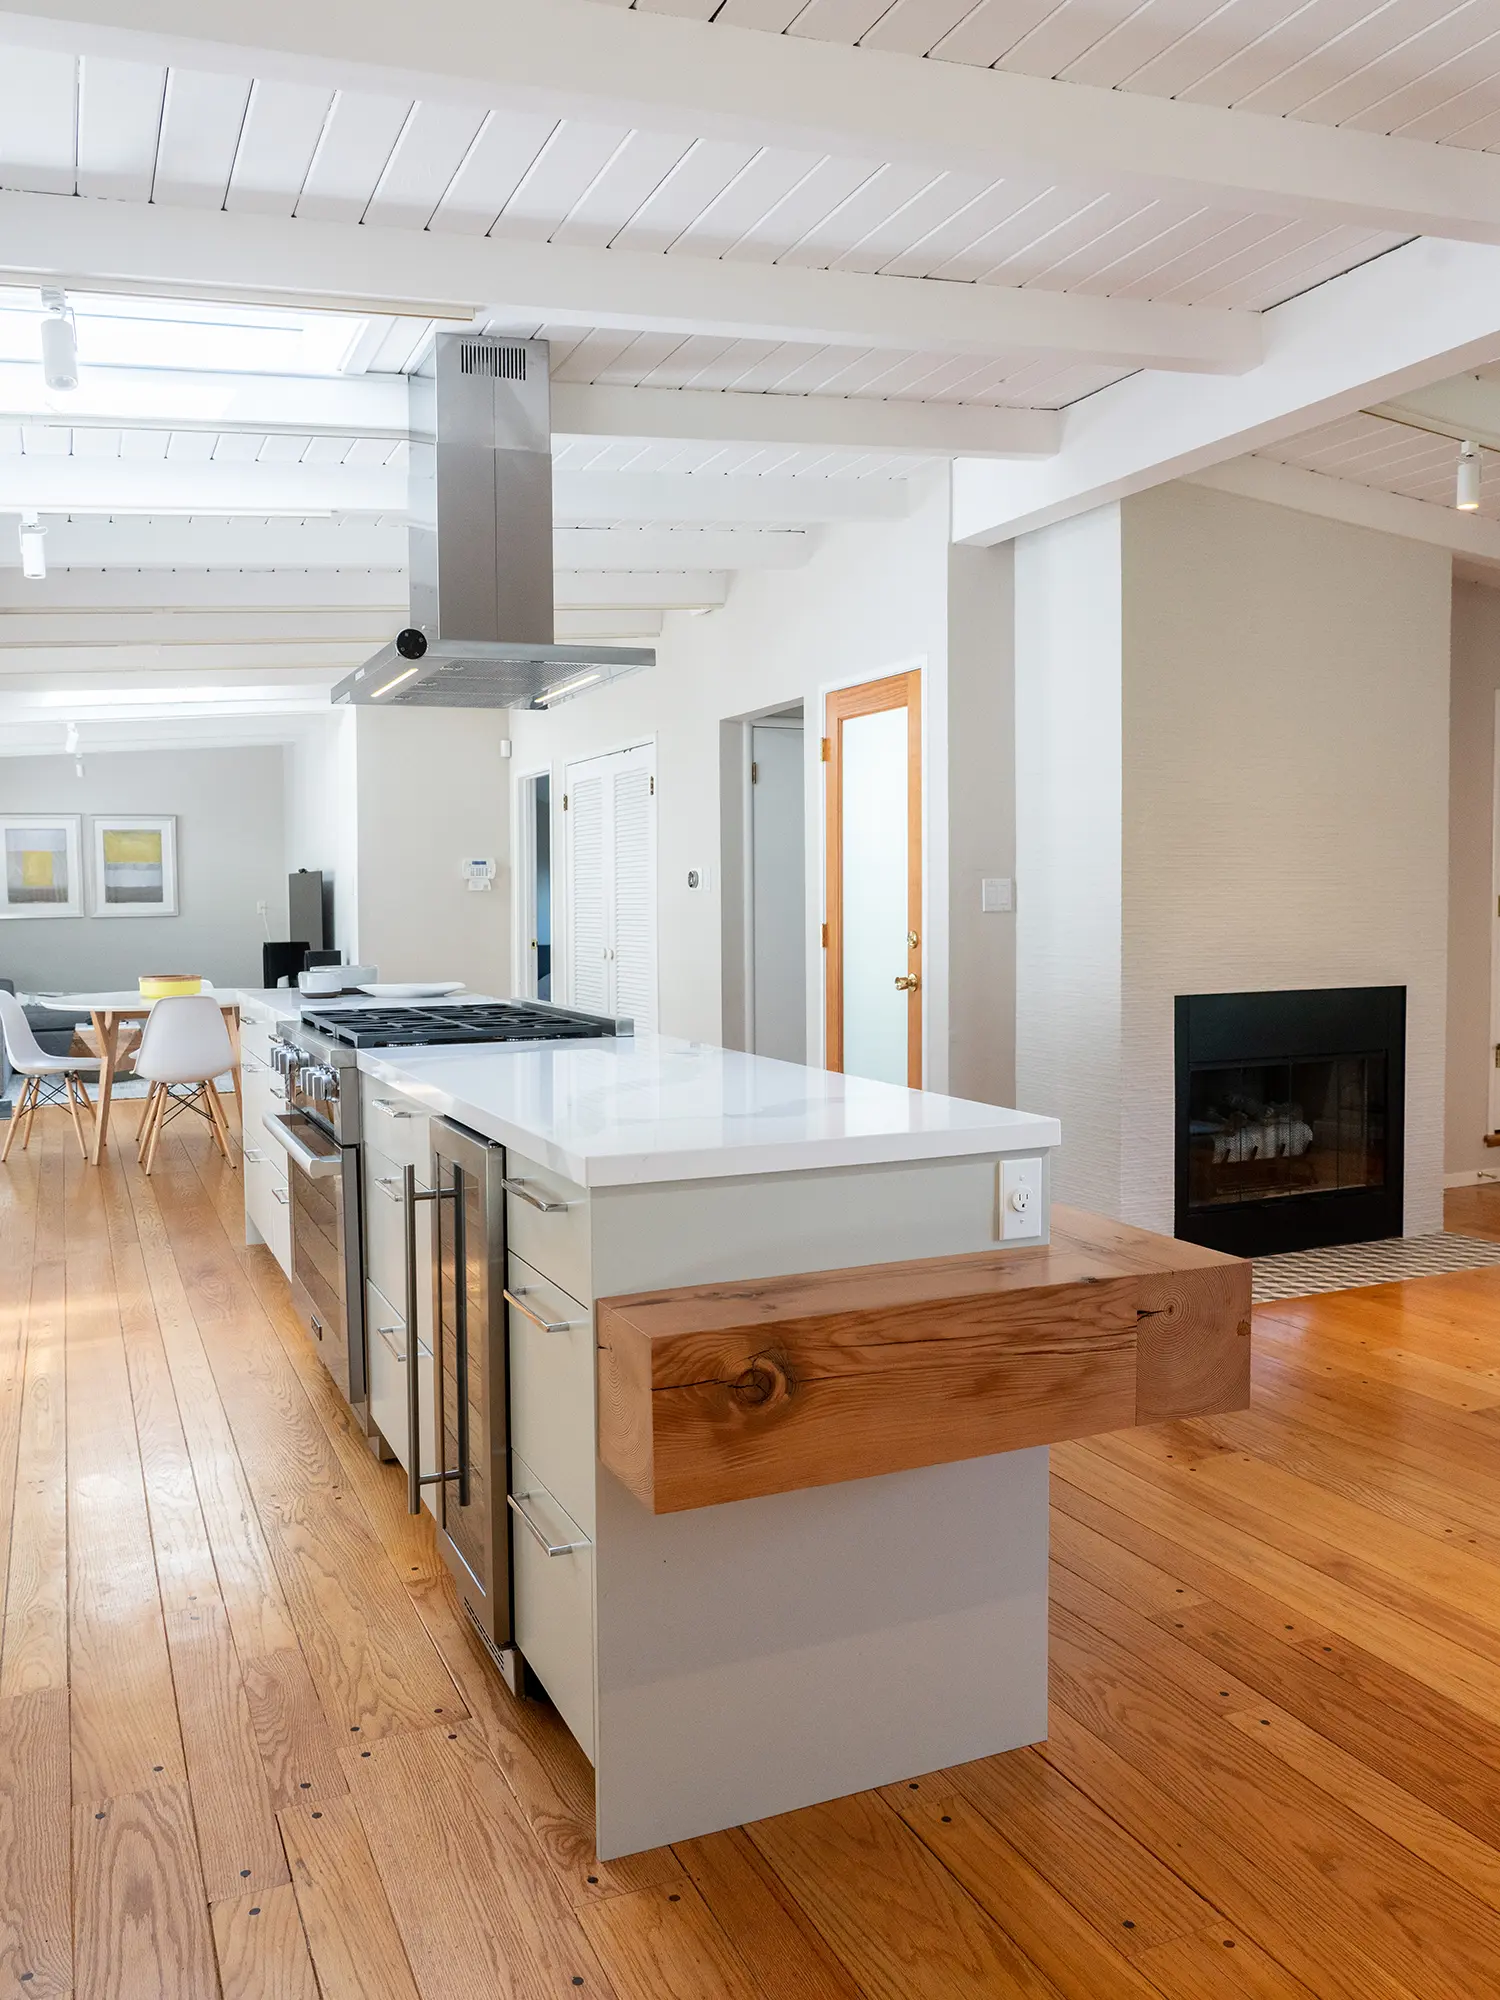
[547, 1325]
[513, 1501]
[390, 1107]
[281, 1195]
[395, 1187]
[522, 1192]
[254, 1155]
[398, 1354]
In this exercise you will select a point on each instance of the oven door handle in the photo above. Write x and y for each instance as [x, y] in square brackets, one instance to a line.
[317, 1166]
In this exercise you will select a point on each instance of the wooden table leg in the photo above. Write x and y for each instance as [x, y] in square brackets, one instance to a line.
[107, 1028]
[232, 1023]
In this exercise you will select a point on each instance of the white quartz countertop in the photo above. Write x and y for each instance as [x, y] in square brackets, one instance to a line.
[653, 1108]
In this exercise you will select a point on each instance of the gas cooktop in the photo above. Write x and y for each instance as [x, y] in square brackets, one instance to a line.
[477, 1021]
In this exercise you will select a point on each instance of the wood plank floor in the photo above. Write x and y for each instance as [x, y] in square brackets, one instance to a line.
[248, 1747]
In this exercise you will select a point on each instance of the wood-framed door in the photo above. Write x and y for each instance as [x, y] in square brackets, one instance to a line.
[872, 747]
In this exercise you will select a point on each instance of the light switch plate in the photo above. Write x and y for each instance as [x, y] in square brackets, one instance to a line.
[1020, 1199]
[996, 893]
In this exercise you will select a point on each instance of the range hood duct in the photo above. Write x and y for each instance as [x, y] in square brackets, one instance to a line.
[480, 544]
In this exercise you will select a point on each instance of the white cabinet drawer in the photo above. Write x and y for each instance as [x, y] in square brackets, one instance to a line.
[552, 1386]
[547, 1223]
[395, 1126]
[385, 1330]
[385, 1231]
[268, 1204]
[554, 1599]
[255, 1040]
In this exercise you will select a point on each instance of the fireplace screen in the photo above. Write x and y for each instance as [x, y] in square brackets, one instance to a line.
[1264, 1131]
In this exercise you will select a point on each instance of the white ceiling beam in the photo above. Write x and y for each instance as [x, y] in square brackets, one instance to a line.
[183, 399]
[251, 548]
[200, 627]
[58, 485]
[45, 665]
[112, 245]
[859, 423]
[627, 624]
[1361, 506]
[1425, 311]
[217, 590]
[632, 68]
[722, 499]
[666, 590]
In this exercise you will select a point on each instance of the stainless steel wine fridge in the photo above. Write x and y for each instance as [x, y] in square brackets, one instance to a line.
[469, 1372]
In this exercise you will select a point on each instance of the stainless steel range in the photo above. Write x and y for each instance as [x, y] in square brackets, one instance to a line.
[320, 1130]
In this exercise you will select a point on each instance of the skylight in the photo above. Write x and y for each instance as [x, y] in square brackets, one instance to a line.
[185, 333]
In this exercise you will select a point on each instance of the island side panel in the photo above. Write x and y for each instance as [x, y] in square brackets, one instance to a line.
[759, 1656]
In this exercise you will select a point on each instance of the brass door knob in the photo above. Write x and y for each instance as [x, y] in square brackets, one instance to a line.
[907, 982]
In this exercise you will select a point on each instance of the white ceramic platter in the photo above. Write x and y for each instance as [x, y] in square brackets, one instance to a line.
[417, 989]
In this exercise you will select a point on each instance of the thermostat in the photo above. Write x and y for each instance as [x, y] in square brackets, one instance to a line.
[479, 875]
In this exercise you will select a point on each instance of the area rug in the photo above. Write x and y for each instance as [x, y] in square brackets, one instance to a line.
[1341, 1269]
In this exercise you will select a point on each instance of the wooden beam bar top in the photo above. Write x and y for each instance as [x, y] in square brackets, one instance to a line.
[711, 1393]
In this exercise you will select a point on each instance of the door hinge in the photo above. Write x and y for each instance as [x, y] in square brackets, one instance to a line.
[652, 792]
[565, 802]
[754, 772]
[825, 937]
[825, 750]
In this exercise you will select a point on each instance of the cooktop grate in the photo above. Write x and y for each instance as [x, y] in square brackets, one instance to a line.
[417, 1026]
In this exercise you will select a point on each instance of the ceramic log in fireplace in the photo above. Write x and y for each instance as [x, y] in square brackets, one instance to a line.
[1289, 1118]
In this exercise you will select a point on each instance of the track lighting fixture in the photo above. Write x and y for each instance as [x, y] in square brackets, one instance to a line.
[1470, 468]
[59, 342]
[33, 547]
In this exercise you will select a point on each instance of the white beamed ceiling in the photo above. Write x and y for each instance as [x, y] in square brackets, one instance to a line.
[1421, 69]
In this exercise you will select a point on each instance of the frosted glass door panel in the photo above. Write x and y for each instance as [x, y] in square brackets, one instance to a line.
[875, 906]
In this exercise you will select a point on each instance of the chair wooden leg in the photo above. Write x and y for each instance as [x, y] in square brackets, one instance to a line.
[140, 1123]
[153, 1136]
[69, 1094]
[218, 1121]
[17, 1113]
[148, 1122]
[31, 1110]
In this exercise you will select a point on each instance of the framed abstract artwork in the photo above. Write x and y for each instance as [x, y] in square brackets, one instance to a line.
[42, 872]
[135, 865]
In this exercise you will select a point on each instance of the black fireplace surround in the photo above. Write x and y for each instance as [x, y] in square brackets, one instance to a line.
[1290, 1122]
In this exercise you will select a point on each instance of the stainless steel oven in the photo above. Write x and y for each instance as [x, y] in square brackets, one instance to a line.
[320, 1132]
[470, 1370]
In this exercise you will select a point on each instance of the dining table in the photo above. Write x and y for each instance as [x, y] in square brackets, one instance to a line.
[108, 1012]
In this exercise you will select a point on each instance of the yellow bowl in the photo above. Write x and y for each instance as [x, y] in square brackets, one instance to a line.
[169, 985]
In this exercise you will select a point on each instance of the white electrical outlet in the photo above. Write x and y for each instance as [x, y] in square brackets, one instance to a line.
[996, 892]
[1020, 1199]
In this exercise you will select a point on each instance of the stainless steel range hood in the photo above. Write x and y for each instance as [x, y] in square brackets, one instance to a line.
[480, 544]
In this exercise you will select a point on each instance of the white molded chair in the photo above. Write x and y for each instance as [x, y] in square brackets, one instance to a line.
[47, 1079]
[183, 1048]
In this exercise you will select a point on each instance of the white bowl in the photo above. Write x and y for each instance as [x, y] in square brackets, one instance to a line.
[325, 979]
[415, 989]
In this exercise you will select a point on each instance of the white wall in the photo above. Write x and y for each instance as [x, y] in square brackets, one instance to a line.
[1282, 694]
[322, 815]
[1069, 663]
[872, 600]
[231, 855]
[1471, 913]
[431, 789]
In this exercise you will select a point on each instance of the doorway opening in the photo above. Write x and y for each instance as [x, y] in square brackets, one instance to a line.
[534, 880]
[776, 890]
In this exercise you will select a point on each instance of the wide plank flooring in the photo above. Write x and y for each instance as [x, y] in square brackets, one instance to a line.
[250, 1748]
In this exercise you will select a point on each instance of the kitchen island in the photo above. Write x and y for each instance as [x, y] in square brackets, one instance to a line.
[776, 1542]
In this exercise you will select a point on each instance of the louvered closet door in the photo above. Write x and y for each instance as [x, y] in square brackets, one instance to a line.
[611, 847]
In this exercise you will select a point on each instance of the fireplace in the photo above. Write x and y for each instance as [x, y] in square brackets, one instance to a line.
[1290, 1118]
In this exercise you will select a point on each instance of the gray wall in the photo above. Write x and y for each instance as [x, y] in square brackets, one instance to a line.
[231, 854]
[1471, 807]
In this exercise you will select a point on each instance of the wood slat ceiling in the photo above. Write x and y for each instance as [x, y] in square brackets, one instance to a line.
[1428, 69]
[138, 132]
[1395, 458]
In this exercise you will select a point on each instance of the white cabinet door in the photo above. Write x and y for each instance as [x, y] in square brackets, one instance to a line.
[610, 815]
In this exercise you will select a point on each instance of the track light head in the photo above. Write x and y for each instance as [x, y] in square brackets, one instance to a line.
[33, 548]
[59, 342]
[1470, 471]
